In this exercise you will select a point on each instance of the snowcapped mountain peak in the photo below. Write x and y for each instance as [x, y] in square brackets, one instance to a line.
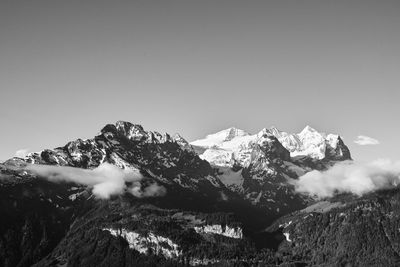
[234, 145]
[182, 142]
[310, 135]
[130, 130]
[307, 130]
[128, 126]
[220, 137]
[333, 140]
[265, 132]
[275, 131]
[233, 133]
[135, 132]
[178, 137]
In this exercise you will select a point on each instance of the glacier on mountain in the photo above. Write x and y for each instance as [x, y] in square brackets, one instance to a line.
[230, 146]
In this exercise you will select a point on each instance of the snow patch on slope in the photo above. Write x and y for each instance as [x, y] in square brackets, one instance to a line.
[220, 137]
[232, 232]
[233, 145]
[142, 243]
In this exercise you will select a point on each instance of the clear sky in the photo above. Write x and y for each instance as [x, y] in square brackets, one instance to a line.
[195, 67]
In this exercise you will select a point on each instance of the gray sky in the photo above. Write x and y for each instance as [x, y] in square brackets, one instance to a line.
[195, 67]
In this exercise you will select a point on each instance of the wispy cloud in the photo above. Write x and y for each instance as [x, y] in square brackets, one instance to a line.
[22, 153]
[105, 180]
[363, 140]
[350, 177]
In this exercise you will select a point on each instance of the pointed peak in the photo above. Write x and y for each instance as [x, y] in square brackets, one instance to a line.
[266, 132]
[182, 142]
[177, 136]
[308, 129]
[271, 131]
[274, 130]
[232, 131]
[333, 136]
[127, 125]
[130, 130]
[220, 137]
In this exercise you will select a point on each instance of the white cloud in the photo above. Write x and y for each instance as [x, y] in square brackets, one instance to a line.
[105, 180]
[22, 153]
[350, 177]
[363, 140]
[152, 190]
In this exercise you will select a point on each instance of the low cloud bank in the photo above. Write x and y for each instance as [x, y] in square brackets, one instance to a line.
[152, 190]
[105, 180]
[350, 177]
[363, 140]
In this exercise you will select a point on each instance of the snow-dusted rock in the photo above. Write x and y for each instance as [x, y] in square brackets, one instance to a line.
[169, 160]
[182, 142]
[311, 143]
[287, 236]
[232, 232]
[233, 145]
[142, 243]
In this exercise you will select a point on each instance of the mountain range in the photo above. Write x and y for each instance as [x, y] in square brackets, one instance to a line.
[131, 197]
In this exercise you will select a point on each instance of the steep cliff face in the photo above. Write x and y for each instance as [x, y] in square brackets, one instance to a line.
[311, 143]
[337, 150]
[144, 243]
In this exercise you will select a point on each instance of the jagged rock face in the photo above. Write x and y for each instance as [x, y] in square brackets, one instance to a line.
[134, 132]
[183, 143]
[266, 183]
[314, 144]
[260, 166]
[337, 150]
[233, 145]
[270, 147]
[143, 243]
[168, 160]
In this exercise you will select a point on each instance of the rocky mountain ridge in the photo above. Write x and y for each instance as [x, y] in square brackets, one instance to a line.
[260, 167]
[256, 167]
[259, 171]
[230, 146]
[214, 212]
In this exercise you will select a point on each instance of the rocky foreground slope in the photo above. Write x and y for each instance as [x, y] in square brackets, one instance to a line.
[226, 200]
